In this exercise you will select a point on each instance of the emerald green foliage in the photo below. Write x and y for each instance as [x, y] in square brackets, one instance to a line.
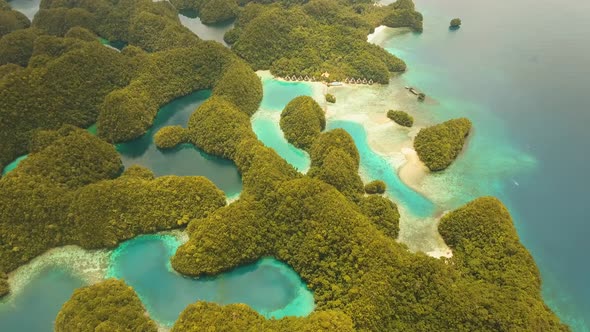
[310, 39]
[382, 213]
[156, 33]
[17, 46]
[110, 305]
[240, 85]
[201, 316]
[401, 118]
[67, 192]
[34, 197]
[59, 20]
[170, 136]
[331, 140]
[4, 288]
[70, 159]
[343, 245]
[81, 33]
[335, 160]
[330, 98]
[113, 206]
[127, 113]
[9, 68]
[151, 25]
[215, 11]
[473, 232]
[66, 85]
[262, 168]
[455, 23]
[352, 263]
[302, 121]
[403, 18]
[339, 170]
[139, 172]
[486, 249]
[11, 20]
[217, 126]
[438, 146]
[375, 187]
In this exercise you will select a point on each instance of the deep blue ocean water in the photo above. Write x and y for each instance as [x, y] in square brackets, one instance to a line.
[521, 71]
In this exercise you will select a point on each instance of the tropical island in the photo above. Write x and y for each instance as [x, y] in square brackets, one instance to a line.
[438, 146]
[338, 233]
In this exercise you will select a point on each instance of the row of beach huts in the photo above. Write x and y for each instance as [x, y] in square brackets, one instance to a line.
[313, 79]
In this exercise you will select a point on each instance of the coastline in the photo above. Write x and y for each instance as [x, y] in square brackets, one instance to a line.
[318, 89]
[88, 265]
[365, 105]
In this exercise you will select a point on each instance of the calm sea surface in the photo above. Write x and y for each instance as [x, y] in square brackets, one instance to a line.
[521, 71]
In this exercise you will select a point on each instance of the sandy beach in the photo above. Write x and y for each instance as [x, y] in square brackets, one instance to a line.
[89, 265]
[413, 171]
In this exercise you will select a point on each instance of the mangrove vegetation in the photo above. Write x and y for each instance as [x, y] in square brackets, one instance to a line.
[401, 118]
[438, 146]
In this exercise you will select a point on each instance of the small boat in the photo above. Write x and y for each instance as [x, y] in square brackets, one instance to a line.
[414, 91]
[335, 84]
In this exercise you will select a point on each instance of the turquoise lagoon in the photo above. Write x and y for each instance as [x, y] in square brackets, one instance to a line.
[270, 287]
[34, 309]
[376, 167]
[11, 166]
[265, 122]
[185, 159]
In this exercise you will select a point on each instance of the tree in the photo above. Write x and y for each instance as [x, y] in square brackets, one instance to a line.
[455, 23]
[302, 121]
[401, 118]
[375, 187]
[110, 305]
[438, 146]
[170, 136]
[11, 20]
